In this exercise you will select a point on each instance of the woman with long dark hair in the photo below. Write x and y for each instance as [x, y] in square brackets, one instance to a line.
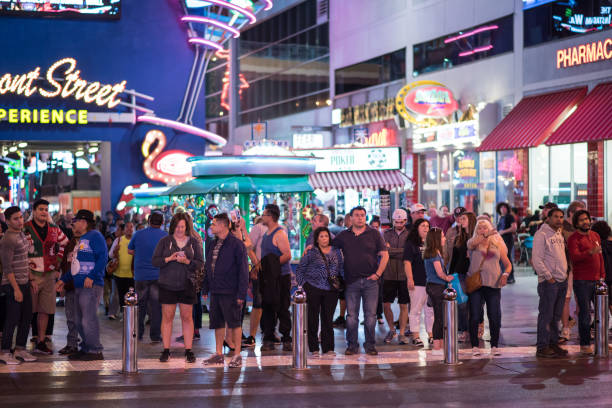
[313, 273]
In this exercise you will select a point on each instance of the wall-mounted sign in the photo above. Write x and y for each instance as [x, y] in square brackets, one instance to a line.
[308, 141]
[45, 116]
[355, 159]
[446, 135]
[71, 86]
[584, 54]
[170, 166]
[422, 100]
[466, 170]
[368, 113]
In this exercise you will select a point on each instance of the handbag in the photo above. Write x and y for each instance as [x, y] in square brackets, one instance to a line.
[335, 281]
[456, 284]
[473, 282]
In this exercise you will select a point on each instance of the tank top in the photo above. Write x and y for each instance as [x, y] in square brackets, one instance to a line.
[268, 247]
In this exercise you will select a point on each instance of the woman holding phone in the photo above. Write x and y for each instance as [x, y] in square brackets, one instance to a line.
[178, 256]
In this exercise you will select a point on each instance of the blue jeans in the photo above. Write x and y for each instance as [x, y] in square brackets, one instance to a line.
[355, 292]
[492, 298]
[552, 300]
[72, 339]
[148, 302]
[585, 294]
[87, 301]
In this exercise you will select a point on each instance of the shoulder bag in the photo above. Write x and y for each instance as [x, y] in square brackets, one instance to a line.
[335, 281]
[474, 282]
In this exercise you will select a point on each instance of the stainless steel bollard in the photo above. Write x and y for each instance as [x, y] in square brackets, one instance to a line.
[130, 333]
[601, 319]
[300, 327]
[451, 352]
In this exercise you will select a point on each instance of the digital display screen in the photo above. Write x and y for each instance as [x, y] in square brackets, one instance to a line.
[87, 9]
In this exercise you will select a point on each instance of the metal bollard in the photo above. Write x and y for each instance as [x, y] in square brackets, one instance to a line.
[601, 319]
[130, 335]
[451, 352]
[300, 327]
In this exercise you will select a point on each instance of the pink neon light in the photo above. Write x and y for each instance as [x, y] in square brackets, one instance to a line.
[217, 23]
[183, 127]
[475, 50]
[234, 7]
[470, 33]
[268, 5]
[208, 43]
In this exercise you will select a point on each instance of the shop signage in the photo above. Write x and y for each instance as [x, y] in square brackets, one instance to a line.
[71, 86]
[422, 100]
[307, 140]
[438, 136]
[368, 113]
[355, 159]
[466, 171]
[45, 116]
[584, 54]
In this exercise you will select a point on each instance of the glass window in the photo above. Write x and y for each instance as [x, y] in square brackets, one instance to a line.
[487, 180]
[538, 176]
[465, 179]
[561, 18]
[472, 44]
[580, 171]
[386, 68]
[429, 179]
[560, 175]
[509, 177]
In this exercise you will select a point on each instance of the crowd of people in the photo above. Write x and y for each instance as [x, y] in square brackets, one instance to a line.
[353, 263]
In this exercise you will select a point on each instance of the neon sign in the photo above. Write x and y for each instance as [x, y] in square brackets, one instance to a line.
[72, 85]
[584, 54]
[45, 116]
[422, 100]
[170, 167]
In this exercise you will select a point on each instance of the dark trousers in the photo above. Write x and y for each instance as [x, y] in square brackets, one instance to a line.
[379, 305]
[123, 285]
[550, 308]
[197, 312]
[148, 301]
[18, 315]
[50, 324]
[585, 294]
[2, 308]
[321, 306]
[434, 291]
[492, 298]
[271, 312]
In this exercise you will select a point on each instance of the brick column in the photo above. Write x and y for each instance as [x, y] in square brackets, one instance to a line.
[521, 195]
[595, 187]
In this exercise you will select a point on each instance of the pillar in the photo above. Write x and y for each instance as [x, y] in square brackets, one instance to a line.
[595, 187]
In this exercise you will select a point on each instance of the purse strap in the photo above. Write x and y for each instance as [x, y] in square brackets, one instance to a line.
[326, 262]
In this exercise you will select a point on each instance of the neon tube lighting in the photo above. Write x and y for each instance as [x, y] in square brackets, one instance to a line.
[234, 7]
[268, 5]
[183, 127]
[470, 33]
[475, 50]
[217, 23]
[208, 43]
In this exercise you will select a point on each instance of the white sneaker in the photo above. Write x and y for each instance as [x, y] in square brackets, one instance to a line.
[9, 359]
[437, 353]
[23, 355]
[331, 353]
[475, 351]
[495, 351]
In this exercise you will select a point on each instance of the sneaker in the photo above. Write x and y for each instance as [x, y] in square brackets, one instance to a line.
[9, 359]
[331, 353]
[315, 354]
[372, 351]
[21, 354]
[287, 346]
[351, 351]
[165, 356]
[560, 351]
[190, 357]
[546, 352]
[586, 350]
[475, 351]
[437, 352]
[496, 351]
[68, 350]
[34, 339]
[249, 342]
[236, 362]
[417, 342]
[215, 359]
[403, 340]
[267, 346]
[42, 348]
[390, 336]
[339, 322]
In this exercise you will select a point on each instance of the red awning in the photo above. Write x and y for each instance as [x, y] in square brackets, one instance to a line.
[359, 180]
[591, 122]
[533, 120]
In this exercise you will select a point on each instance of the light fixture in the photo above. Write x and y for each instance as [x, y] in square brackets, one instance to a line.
[79, 153]
[22, 145]
[13, 149]
[93, 149]
[328, 102]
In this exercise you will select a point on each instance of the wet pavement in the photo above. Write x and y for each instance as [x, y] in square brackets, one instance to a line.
[399, 376]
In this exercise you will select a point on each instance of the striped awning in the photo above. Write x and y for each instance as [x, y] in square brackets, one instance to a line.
[533, 120]
[359, 180]
[591, 122]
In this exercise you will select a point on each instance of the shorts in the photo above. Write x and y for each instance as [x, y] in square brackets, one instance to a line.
[172, 297]
[395, 289]
[224, 309]
[43, 301]
[257, 300]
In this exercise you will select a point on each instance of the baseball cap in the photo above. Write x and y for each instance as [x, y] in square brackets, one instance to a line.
[400, 214]
[84, 215]
[156, 218]
[549, 206]
[417, 207]
[459, 211]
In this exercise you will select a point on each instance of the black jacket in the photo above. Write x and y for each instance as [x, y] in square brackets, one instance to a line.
[231, 275]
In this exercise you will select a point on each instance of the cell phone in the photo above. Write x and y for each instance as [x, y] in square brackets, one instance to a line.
[181, 254]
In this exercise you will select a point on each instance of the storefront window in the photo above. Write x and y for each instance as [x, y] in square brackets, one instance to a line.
[580, 167]
[487, 180]
[429, 179]
[509, 177]
[560, 175]
[538, 178]
[465, 180]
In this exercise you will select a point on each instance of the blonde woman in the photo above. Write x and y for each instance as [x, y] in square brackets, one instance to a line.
[486, 249]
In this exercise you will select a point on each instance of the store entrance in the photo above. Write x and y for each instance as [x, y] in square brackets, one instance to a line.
[467, 199]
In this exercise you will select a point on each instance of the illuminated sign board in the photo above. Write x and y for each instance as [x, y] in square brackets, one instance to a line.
[89, 9]
[368, 113]
[354, 159]
[71, 86]
[44, 116]
[584, 54]
[307, 140]
[422, 100]
[447, 135]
